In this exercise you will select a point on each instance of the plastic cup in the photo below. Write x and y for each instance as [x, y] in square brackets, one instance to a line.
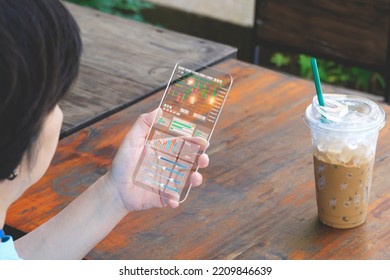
[344, 136]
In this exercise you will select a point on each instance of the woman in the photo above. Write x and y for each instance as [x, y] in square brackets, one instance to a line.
[39, 59]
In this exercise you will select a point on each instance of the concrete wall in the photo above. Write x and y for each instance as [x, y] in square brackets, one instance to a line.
[240, 12]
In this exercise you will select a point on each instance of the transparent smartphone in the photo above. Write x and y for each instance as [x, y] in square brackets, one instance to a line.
[190, 107]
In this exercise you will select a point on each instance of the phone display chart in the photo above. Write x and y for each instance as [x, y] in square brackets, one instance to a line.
[190, 108]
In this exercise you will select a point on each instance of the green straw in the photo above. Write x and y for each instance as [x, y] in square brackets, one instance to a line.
[317, 82]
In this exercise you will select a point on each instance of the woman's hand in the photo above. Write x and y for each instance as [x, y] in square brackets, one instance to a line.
[124, 164]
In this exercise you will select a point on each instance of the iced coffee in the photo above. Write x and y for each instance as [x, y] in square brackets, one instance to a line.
[344, 141]
[343, 182]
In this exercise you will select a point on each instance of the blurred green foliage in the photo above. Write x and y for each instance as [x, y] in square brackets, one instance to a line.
[131, 9]
[331, 72]
[280, 59]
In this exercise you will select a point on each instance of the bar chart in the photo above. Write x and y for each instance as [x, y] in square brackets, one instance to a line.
[167, 145]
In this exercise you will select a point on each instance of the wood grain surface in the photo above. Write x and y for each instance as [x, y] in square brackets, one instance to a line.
[258, 196]
[355, 31]
[124, 61]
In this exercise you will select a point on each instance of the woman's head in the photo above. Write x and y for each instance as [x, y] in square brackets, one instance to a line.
[40, 49]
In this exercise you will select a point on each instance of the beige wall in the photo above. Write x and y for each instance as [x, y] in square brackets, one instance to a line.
[240, 12]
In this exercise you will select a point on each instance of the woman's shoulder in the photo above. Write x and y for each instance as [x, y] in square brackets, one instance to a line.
[7, 248]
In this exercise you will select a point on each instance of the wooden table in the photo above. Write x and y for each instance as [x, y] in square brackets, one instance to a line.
[124, 61]
[258, 196]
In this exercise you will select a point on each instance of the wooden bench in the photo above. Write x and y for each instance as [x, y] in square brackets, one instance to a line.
[124, 61]
[353, 32]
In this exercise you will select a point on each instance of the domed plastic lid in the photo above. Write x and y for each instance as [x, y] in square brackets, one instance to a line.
[345, 113]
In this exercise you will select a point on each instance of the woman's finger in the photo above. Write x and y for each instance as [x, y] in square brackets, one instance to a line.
[203, 160]
[196, 179]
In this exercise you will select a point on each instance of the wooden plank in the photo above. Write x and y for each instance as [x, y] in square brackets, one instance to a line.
[258, 196]
[124, 61]
[355, 31]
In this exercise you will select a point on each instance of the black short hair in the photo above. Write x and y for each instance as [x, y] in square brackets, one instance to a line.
[40, 49]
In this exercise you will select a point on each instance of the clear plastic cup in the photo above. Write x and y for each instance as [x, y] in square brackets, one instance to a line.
[344, 136]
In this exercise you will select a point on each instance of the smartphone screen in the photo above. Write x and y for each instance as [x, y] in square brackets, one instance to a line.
[190, 108]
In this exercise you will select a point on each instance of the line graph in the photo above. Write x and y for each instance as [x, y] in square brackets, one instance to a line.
[196, 95]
